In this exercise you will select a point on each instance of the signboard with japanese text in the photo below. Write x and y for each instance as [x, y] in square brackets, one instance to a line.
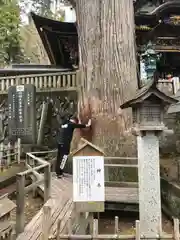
[22, 113]
[88, 183]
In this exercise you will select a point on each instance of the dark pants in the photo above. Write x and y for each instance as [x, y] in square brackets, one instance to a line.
[62, 155]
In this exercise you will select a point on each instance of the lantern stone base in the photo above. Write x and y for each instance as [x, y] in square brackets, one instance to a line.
[149, 184]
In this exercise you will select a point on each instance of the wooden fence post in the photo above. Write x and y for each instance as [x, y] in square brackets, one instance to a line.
[46, 222]
[176, 85]
[47, 182]
[20, 202]
[178, 170]
[42, 122]
[90, 223]
[176, 229]
[69, 227]
[1, 154]
[8, 154]
[58, 229]
[116, 225]
[19, 151]
[138, 230]
[106, 173]
[95, 229]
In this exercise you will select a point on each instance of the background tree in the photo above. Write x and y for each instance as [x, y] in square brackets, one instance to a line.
[9, 32]
[35, 52]
[108, 70]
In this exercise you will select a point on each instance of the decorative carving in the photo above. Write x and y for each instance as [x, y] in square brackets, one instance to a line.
[173, 20]
[143, 27]
[167, 42]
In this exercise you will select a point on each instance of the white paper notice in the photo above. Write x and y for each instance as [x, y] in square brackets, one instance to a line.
[20, 88]
[88, 179]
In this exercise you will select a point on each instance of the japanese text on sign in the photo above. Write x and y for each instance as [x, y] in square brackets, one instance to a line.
[88, 179]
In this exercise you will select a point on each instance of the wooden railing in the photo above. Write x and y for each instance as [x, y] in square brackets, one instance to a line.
[94, 232]
[170, 87]
[34, 164]
[118, 163]
[63, 81]
[6, 226]
[43, 82]
[10, 154]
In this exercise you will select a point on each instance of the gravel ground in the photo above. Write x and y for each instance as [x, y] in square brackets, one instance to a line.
[32, 206]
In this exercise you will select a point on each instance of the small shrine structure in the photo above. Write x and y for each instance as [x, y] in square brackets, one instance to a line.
[88, 178]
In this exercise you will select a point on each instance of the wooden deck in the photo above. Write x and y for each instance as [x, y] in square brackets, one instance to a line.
[62, 208]
[112, 194]
[61, 203]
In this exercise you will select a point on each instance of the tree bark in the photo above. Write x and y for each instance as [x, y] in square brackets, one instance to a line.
[108, 70]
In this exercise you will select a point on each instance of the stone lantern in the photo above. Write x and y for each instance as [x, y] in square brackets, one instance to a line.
[148, 111]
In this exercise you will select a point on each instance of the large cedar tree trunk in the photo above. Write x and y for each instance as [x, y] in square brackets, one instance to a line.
[108, 71]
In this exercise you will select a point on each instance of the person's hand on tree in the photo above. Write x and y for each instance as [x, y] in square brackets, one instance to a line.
[89, 123]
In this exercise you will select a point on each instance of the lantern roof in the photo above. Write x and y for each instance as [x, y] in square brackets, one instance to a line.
[147, 91]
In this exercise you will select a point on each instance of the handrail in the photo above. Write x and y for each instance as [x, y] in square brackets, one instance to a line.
[47, 81]
[94, 230]
[6, 160]
[67, 81]
[121, 165]
[169, 86]
[43, 152]
[21, 189]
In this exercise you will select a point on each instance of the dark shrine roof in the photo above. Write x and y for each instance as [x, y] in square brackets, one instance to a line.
[152, 14]
[27, 69]
[147, 91]
[58, 38]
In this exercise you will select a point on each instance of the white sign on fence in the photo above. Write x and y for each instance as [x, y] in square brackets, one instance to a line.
[88, 179]
[20, 88]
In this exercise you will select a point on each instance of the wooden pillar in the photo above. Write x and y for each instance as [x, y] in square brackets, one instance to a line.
[47, 182]
[176, 85]
[1, 154]
[8, 154]
[42, 122]
[20, 202]
[178, 170]
[18, 150]
[46, 222]
[90, 229]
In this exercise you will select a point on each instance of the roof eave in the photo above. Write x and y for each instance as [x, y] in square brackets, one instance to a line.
[146, 94]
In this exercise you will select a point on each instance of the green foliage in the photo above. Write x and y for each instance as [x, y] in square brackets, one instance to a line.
[35, 52]
[9, 32]
[42, 8]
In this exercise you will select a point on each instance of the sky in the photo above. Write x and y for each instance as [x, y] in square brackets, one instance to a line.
[70, 15]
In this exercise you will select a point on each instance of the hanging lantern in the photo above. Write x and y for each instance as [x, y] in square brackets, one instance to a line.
[148, 61]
